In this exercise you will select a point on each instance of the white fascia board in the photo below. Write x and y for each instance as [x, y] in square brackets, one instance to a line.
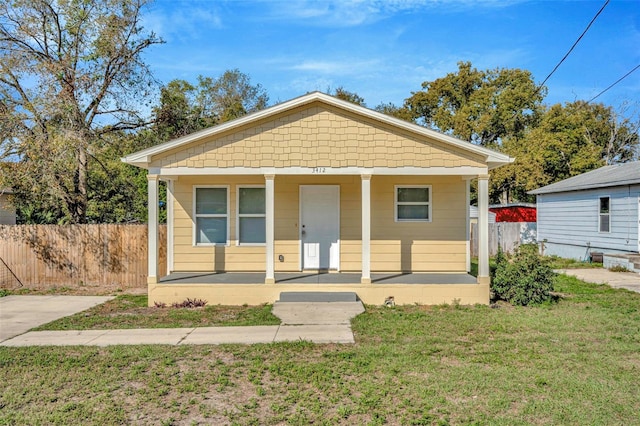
[144, 156]
[409, 171]
[142, 162]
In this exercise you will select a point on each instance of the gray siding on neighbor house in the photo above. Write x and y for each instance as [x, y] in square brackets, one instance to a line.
[7, 211]
[570, 219]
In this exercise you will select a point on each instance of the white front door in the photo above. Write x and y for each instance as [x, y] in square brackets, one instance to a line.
[320, 226]
[638, 224]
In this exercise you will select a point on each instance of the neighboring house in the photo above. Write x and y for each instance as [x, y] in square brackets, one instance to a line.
[7, 210]
[514, 212]
[318, 194]
[598, 211]
[473, 215]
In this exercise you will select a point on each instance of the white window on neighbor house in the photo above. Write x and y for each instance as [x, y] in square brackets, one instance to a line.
[605, 215]
[413, 203]
[211, 215]
[251, 215]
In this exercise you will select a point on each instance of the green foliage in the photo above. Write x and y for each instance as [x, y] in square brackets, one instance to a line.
[569, 140]
[345, 95]
[482, 107]
[393, 110]
[526, 279]
[70, 73]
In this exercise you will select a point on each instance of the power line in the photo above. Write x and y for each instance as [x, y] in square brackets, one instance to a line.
[617, 81]
[574, 45]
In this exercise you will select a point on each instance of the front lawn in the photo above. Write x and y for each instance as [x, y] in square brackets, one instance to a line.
[576, 362]
[131, 311]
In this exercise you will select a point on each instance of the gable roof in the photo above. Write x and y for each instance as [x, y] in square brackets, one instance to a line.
[615, 175]
[143, 158]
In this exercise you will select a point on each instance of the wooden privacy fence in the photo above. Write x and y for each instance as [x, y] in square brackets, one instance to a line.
[504, 234]
[107, 256]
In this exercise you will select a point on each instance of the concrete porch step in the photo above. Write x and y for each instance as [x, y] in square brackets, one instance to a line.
[317, 313]
[317, 296]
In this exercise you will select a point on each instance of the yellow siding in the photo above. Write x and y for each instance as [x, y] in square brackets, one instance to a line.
[317, 136]
[420, 246]
[439, 245]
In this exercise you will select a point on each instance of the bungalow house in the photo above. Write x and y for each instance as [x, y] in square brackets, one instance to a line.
[597, 211]
[318, 194]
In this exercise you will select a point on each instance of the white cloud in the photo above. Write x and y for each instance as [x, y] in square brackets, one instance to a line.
[349, 13]
[182, 23]
[343, 67]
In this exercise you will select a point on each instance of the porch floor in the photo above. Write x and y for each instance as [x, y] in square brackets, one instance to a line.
[316, 278]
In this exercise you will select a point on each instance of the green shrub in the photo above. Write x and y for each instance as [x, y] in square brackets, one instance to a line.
[526, 279]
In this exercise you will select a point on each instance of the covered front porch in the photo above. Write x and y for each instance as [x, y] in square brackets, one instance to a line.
[316, 184]
[249, 287]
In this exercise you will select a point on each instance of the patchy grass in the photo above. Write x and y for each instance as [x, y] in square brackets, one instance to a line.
[562, 263]
[576, 362]
[131, 311]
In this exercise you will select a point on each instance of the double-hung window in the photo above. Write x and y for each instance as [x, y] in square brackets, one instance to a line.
[413, 203]
[211, 206]
[605, 215]
[251, 215]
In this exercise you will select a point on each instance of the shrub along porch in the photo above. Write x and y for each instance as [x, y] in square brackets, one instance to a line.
[317, 184]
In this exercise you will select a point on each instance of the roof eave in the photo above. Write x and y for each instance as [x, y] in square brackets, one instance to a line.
[541, 191]
[141, 161]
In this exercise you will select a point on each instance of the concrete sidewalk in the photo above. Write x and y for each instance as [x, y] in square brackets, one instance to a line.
[325, 322]
[327, 333]
[626, 280]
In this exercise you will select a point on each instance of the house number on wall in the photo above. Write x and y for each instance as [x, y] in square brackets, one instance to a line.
[319, 170]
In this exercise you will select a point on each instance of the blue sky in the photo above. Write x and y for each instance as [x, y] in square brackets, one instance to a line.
[384, 50]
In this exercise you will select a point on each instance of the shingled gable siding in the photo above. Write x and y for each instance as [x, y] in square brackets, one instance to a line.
[435, 246]
[316, 137]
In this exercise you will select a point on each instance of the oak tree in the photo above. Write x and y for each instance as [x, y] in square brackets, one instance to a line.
[478, 106]
[71, 74]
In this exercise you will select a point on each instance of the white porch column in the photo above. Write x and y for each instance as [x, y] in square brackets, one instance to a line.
[270, 225]
[170, 226]
[153, 246]
[483, 229]
[468, 222]
[366, 229]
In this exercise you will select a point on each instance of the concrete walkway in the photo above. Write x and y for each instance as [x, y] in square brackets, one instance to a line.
[337, 333]
[22, 313]
[626, 280]
[315, 322]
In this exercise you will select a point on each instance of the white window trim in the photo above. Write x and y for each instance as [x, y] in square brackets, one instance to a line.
[238, 215]
[196, 216]
[604, 214]
[428, 203]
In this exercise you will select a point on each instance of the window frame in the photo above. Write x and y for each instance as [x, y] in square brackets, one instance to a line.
[600, 214]
[396, 203]
[213, 215]
[238, 215]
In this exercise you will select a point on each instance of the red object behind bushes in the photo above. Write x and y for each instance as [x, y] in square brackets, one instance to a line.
[514, 213]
